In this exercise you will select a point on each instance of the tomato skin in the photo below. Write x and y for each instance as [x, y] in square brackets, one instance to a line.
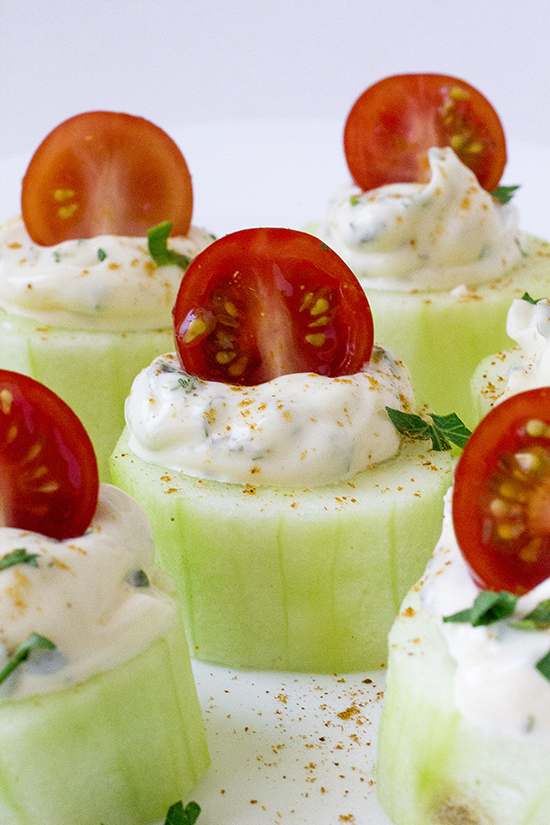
[125, 174]
[265, 302]
[49, 471]
[491, 490]
[393, 123]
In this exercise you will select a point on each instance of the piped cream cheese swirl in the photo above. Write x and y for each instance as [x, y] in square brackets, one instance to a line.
[529, 325]
[496, 683]
[301, 429]
[411, 236]
[104, 283]
[87, 595]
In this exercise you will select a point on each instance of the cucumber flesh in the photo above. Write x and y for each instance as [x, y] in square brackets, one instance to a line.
[117, 749]
[489, 379]
[442, 336]
[299, 580]
[434, 766]
[91, 371]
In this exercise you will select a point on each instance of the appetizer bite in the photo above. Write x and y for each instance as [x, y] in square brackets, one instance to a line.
[285, 503]
[465, 729]
[430, 233]
[99, 715]
[525, 366]
[83, 306]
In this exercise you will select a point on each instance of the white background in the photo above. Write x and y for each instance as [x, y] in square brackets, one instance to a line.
[187, 61]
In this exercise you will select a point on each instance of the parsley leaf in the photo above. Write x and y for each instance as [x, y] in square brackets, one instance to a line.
[488, 607]
[537, 619]
[543, 666]
[504, 194]
[157, 238]
[178, 815]
[444, 429]
[19, 556]
[35, 641]
[101, 254]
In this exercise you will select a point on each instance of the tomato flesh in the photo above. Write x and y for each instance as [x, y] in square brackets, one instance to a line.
[394, 123]
[501, 497]
[47, 462]
[260, 303]
[105, 173]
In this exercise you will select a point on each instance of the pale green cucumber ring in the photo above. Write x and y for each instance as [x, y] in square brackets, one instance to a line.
[296, 580]
[434, 766]
[91, 371]
[117, 749]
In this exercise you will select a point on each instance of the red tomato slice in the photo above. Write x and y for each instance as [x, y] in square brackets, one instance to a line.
[260, 303]
[501, 498]
[47, 462]
[105, 173]
[393, 124]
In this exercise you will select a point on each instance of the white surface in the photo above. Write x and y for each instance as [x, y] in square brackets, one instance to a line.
[285, 748]
[186, 61]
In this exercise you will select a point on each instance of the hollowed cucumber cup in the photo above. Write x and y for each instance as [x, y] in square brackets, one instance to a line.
[293, 579]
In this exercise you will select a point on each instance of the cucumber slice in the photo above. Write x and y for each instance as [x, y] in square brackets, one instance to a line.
[117, 749]
[489, 379]
[435, 767]
[91, 371]
[299, 580]
[443, 336]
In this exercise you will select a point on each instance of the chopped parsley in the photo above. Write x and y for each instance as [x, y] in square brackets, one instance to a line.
[443, 430]
[34, 642]
[178, 815]
[504, 194]
[138, 578]
[19, 556]
[157, 243]
[101, 254]
[488, 607]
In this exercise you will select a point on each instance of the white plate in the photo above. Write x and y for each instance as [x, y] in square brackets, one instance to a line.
[289, 748]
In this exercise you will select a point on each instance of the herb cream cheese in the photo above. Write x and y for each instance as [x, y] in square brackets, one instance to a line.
[302, 428]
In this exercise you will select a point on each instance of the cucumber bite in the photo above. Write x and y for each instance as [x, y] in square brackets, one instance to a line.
[83, 305]
[99, 716]
[465, 733]
[431, 234]
[285, 504]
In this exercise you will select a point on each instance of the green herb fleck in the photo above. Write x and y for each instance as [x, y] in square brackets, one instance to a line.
[522, 251]
[158, 247]
[537, 619]
[354, 200]
[138, 578]
[543, 666]
[527, 297]
[178, 815]
[444, 429]
[101, 254]
[504, 194]
[34, 642]
[19, 556]
[488, 607]
[187, 384]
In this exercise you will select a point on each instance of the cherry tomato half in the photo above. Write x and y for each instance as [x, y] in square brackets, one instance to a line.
[501, 497]
[105, 173]
[260, 303]
[47, 463]
[393, 124]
